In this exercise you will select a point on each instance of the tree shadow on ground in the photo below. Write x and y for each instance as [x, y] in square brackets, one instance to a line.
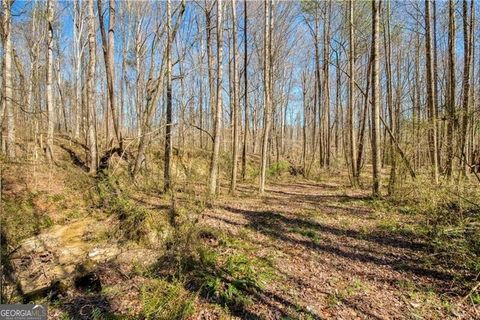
[224, 283]
[279, 227]
[86, 300]
[88, 306]
[280, 307]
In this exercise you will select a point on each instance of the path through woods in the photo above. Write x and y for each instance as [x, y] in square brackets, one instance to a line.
[330, 251]
[337, 257]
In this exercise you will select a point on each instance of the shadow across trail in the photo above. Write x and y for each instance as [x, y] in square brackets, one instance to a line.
[279, 226]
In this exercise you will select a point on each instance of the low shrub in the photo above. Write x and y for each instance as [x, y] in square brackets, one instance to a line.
[278, 168]
[133, 218]
[207, 263]
[450, 220]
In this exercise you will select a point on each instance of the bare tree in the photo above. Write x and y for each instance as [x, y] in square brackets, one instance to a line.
[152, 88]
[451, 87]
[351, 95]
[108, 46]
[91, 103]
[431, 93]
[50, 101]
[467, 60]
[233, 184]
[7, 82]
[392, 123]
[168, 129]
[375, 101]
[212, 183]
[245, 97]
[267, 98]
[79, 46]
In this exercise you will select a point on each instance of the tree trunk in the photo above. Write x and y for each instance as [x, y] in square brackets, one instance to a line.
[451, 87]
[326, 85]
[211, 80]
[168, 129]
[50, 99]
[235, 117]
[7, 79]
[467, 54]
[375, 102]
[351, 96]
[391, 112]
[431, 93]
[91, 103]
[266, 81]
[363, 120]
[108, 46]
[78, 48]
[212, 185]
[245, 79]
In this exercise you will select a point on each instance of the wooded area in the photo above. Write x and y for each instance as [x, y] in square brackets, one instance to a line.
[191, 128]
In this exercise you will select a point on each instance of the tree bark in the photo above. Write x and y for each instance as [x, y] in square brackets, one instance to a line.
[375, 102]
[91, 103]
[108, 46]
[451, 88]
[266, 81]
[50, 101]
[467, 54]
[235, 115]
[431, 94]
[168, 129]
[245, 80]
[8, 83]
[351, 96]
[212, 184]
[391, 112]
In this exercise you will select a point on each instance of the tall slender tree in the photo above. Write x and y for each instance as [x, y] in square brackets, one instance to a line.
[351, 95]
[50, 101]
[91, 103]
[212, 185]
[168, 129]
[235, 116]
[451, 123]
[267, 98]
[391, 112]
[245, 93]
[9, 144]
[431, 96]
[78, 48]
[375, 101]
[108, 46]
[467, 57]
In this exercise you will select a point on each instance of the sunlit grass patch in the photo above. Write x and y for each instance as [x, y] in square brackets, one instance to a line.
[163, 300]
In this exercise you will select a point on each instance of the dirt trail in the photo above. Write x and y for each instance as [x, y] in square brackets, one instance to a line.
[335, 257]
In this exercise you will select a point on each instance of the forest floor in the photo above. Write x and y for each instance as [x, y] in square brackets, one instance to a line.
[339, 255]
[304, 250]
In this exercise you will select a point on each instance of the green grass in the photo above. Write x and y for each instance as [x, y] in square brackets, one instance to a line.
[22, 219]
[135, 221]
[306, 232]
[278, 168]
[219, 267]
[446, 217]
[163, 300]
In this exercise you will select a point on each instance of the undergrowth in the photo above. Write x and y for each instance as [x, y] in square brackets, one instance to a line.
[136, 222]
[214, 266]
[448, 217]
[163, 300]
